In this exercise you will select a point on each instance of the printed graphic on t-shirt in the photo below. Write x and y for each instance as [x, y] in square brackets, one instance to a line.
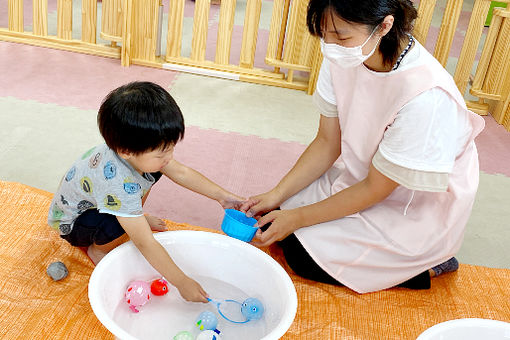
[112, 202]
[109, 170]
[95, 160]
[99, 180]
[86, 184]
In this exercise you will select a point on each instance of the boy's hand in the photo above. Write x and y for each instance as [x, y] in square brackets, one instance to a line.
[231, 201]
[139, 231]
[191, 290]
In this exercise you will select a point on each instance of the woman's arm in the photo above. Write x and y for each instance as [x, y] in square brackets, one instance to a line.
[318, 157]
[362, 195]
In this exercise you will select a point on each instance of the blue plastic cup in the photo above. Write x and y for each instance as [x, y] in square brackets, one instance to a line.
[235, 224]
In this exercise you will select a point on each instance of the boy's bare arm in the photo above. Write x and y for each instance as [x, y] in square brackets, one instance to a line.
[140, 233]
[195, 181]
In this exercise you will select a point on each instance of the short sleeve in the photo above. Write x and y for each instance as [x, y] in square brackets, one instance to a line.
[419, 148]
[324, 95]
[410, 178]
[120, 190]
[424, 133]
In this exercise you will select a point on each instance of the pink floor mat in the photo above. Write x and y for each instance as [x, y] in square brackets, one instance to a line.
[245, 165]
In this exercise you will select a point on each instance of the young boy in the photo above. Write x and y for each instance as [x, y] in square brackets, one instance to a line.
[101, 196]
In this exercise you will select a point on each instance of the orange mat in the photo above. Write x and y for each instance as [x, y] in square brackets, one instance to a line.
[32, 306]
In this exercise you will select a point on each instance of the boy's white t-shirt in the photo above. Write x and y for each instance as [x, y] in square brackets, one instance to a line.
[419, 148]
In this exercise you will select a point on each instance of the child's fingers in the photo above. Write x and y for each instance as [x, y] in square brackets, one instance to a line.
[204, 295]
[247, 205]
[256, 209]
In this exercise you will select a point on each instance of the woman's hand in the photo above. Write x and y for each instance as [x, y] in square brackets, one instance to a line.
[231, 201]
[283, 223]
[191, 290]
[261, 204]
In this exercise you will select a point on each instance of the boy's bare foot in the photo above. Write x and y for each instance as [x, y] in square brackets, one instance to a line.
[95, 254]
[156, 223]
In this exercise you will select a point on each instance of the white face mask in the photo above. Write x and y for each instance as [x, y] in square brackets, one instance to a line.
[347, 56]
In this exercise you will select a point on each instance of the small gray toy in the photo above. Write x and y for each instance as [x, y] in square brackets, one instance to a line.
[57, 271]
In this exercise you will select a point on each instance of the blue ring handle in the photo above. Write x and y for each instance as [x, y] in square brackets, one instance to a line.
[217, 303]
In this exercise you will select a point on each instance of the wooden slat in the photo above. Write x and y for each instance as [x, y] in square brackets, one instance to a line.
[211, 65]
[200, 28]
[174, 36]
[144, 30]
[250, 33]
[315, 68]
[275, 29]
[40, 17]
[470, 46]
[425, 12]
[153, 26]
[111, 20]
[502, 110]
[495, 76]
[488, 49]
[88, 20]
[295, 85]
[60, 44]
[15, 15]
[447, 31]
[478, 107]
[305, 52]
[283, 64]
[65, 19]
[159, 28]
[283, 30]
[225, 28]
[506, 120]
[126, 32]
[296, 33]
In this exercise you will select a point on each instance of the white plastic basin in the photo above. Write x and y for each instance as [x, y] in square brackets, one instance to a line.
[207, 257]
[468, 329]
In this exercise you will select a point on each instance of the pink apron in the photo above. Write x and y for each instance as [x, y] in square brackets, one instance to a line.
[410, 231]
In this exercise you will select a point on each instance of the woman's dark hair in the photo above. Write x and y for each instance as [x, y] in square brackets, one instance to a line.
[139, 117]
[370, 13]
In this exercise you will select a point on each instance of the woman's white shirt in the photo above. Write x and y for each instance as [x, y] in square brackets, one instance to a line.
[419, 148]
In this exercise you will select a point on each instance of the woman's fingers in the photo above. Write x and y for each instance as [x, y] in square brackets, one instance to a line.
[267, 237]
[263, 220]
[264, 239]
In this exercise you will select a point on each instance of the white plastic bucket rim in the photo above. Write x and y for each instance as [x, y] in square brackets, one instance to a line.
[198, 236]
[456, 329]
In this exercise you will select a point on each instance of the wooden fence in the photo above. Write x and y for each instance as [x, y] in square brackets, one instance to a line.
[133, 27]
[134, 30]
[491, 81]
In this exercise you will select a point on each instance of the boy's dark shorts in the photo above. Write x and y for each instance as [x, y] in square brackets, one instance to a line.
[95, 227]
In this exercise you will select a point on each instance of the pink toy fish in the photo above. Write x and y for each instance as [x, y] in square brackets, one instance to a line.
[137, 294]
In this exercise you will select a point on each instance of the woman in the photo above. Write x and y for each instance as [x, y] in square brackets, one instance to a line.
[382, 195]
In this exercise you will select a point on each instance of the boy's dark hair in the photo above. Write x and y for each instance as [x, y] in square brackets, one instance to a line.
[139, 117]
[370, 13]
